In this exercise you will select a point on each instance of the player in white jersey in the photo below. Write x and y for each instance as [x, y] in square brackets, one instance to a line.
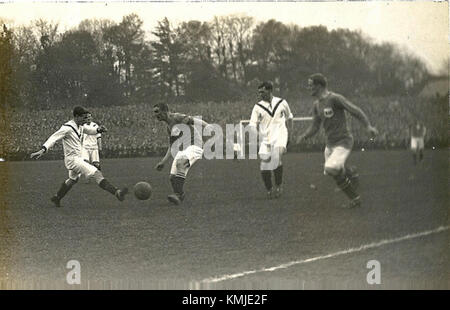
[71, 134]
[92, 144]
[417, 132]
[271, 114]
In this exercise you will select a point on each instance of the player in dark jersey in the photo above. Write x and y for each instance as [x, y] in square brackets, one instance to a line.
[186, 132]
[330, 111]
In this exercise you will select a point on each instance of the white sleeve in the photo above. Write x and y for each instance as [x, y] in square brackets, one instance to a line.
[289, 114]
[90, 130]
[61, 133]
[254, 117]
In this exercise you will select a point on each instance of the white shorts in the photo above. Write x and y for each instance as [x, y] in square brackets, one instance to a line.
[191, 153]
[266, 148]
[90, 155]
[335, 157]
[78, 167]
[417, 143]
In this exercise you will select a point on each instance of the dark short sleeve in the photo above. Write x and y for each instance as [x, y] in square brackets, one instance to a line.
[338, 101]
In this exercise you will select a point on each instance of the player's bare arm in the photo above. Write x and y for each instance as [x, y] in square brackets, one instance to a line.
[99, 143]
[359, 114]
[159, 166]
[254, 121]
[94, 130]
[313, 129]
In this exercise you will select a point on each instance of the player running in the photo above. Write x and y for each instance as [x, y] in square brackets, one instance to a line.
[329, 111]
[271, 114]
[177, 126]
[417, 133]
[92, 144]
[71, 133]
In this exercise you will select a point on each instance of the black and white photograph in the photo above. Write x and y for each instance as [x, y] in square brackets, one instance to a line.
[215, 145]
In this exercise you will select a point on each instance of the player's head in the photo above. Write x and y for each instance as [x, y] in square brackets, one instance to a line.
[317, 83]
[80, 115]
[89, 118]
[160, 110]
[265, 91]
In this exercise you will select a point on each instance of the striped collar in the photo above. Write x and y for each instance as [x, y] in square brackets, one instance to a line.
[73, 125]
[266, 108]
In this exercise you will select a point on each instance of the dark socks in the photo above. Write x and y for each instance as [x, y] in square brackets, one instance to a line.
[346, 186]
[278, 175]
[177, 184]
[350, 172]
[267, 179]
[104, 184]
[63, 190]
[97, 165]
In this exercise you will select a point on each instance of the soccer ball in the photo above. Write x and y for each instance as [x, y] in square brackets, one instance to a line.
[142, 190]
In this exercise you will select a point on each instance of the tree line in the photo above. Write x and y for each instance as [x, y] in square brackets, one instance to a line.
[101, 62]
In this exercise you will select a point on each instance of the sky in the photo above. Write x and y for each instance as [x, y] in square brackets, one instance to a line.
[418, 27]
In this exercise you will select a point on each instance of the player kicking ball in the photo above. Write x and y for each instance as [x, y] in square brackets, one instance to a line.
[271, 115]
[188, 156]
[71, 134]
[329, 111]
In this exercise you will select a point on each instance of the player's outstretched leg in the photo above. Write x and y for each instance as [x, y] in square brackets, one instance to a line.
[107, 186]
[177, 182]
[180, 168]
[96, 164]
[63, 190]
[351, 172]
[349, 190]
[344, 183]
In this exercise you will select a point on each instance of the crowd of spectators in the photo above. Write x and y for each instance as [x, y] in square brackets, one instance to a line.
[134, 132]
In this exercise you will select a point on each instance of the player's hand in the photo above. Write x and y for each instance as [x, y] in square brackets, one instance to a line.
[38, 154]
[159, 166]
[372, 131]
[101, 129]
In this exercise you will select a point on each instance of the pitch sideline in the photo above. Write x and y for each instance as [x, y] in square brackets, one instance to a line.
[331, 255]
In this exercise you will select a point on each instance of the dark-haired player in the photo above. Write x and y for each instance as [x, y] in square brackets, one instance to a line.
[270, 115]
[71, 134]
[184, 132]
[329, 112]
